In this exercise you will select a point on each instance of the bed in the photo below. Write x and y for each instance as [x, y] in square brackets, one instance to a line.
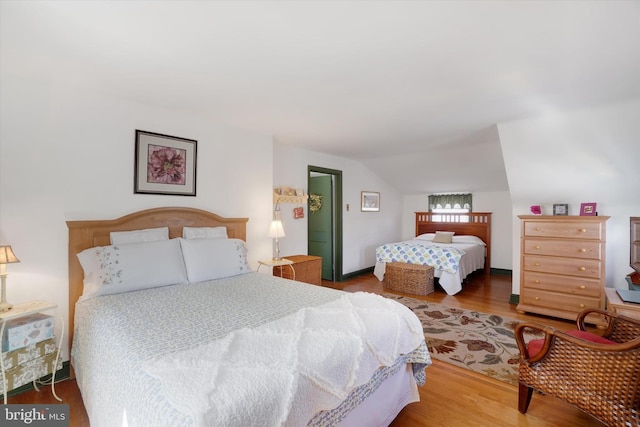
[455, 245]
[217, 343]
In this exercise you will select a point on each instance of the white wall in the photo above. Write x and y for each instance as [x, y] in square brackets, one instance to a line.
[589, 155]
[498, 203]
[363, 232]
[68, 154]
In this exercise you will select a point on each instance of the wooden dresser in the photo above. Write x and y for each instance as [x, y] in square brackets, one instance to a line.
[308, 269]
[562, 264]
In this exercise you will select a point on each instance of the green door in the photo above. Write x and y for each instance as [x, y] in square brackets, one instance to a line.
[320, 224]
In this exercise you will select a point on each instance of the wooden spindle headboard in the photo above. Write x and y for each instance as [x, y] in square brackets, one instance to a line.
[470, 223]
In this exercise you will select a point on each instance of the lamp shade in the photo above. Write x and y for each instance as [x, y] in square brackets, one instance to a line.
[276, 229]
[7, 256]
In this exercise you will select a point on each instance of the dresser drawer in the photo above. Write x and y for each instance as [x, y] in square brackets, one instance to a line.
[564, 248]
[566, 284]
[568, 229]
[558, 265]
[558, 301]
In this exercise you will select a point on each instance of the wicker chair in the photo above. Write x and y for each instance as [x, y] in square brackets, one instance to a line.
[600, 379]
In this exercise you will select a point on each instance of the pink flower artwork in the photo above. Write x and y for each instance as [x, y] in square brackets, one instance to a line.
[166, 165]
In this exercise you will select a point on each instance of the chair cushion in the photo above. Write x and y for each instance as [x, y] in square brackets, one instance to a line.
[535, 346]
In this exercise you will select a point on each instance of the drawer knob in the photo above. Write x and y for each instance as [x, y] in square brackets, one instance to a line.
[537, 298]
[536, 281]
[537, 264]
[581, 305]
[583, 230]
[537, 246]
[582, 286]
[582, 268]
[537, 228]
[583, 250]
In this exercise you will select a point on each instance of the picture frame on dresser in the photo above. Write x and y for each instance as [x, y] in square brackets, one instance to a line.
[164, 164]
[560, 209]
[588, 209]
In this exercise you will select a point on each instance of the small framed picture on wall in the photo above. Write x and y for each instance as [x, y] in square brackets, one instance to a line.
[370, 201]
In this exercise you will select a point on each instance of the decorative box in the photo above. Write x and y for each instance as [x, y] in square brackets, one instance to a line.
[25, 330]
[30, 352]
[32, 370]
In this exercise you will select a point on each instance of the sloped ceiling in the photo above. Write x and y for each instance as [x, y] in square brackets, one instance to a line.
[411, 89]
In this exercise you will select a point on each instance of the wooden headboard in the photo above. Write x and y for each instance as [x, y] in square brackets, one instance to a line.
[87, 234]
[470, 224]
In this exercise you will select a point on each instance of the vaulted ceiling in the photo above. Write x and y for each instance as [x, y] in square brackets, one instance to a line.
[412, 89]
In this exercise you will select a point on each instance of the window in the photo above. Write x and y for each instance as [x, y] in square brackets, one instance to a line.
[450, 203]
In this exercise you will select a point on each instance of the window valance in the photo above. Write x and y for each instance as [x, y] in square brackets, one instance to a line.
[450, 201]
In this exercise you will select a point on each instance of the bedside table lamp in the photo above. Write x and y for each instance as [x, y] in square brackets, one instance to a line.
[276, 231]
[6, 256]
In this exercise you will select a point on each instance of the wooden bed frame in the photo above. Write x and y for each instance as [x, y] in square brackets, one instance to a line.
[470, 224]
[87, 234]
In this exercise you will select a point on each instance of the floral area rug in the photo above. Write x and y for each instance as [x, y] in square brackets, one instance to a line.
[480, 342]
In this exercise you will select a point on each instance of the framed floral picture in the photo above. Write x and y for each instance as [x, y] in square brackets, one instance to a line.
[164, 164]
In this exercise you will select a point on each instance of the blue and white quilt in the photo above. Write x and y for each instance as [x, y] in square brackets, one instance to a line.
[421, 252]
[451, 262]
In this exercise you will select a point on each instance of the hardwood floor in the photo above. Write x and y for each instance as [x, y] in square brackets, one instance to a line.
[452, 396]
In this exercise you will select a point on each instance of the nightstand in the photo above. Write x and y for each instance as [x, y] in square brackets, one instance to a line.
[31, 362]
[279, 264]
[308, 268]
[615, 304]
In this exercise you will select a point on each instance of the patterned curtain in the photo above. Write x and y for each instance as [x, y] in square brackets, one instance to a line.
[450, 201]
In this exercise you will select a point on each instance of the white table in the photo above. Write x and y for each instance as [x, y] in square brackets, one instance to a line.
[278, 263]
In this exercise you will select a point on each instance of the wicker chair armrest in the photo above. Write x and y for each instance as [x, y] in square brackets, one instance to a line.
[619, 327]
[552, 334]
[519, 335]
[580, 320]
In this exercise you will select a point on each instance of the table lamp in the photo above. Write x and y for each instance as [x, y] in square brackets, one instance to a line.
[276, 231]
[6, 256]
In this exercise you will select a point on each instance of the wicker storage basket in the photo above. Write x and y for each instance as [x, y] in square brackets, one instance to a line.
[409, 278]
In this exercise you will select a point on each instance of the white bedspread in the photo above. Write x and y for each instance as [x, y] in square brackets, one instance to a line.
[115, 335]
[451, 282]
[308, 362]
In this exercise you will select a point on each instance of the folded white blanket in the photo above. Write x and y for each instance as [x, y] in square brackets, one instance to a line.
[283, 372]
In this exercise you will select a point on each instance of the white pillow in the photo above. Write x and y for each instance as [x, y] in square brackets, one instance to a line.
[123, 268]
[204, 232]
[139, 236]
[208, 259]
[443, 236]
[426, 236]
[468, 239]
